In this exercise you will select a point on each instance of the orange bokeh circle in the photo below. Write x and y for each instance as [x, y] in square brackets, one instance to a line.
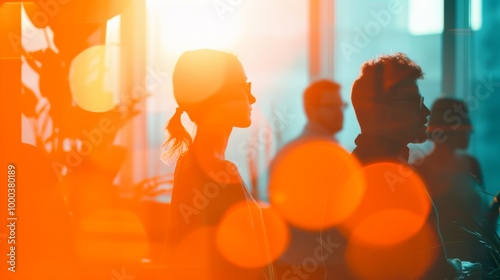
[395, 206]
[315, 184]
[251, 236]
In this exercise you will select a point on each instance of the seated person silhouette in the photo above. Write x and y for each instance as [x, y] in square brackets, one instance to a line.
[323, 107]
[393, 234]
[453, 179]
[211, 87]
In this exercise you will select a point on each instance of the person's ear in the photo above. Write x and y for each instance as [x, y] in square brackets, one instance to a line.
[311, 114]
[385, 112]
[317, 114]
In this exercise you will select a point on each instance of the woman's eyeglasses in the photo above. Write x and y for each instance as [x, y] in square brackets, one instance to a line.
[248, 87]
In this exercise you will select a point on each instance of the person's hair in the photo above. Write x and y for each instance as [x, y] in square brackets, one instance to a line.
[199, 79]
[178, 135]
[377, 81]
[313, 95]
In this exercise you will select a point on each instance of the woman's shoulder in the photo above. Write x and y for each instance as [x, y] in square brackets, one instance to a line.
[220, 171]
[224, 172]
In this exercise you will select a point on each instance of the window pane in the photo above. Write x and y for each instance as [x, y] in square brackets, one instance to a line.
[380, 27]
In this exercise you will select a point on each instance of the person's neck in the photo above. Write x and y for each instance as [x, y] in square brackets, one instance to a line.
[313, 128]
[443, 150]
[383, 135]
[374, 147]
[211, 141]
[395, 138]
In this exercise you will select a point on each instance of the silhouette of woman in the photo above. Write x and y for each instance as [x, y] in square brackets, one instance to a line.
[211, 87]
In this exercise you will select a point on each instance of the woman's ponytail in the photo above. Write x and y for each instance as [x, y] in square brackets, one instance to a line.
[178, 136]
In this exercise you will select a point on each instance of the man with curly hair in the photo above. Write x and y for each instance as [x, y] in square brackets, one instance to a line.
[392, 114]
[389, 108]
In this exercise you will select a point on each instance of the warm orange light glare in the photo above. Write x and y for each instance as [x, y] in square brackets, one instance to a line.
[394, 208]
[112, 235]
[315, 184]
[410, 259]
[94, 76]
[242, 239]
[387, 227]
[193, 257]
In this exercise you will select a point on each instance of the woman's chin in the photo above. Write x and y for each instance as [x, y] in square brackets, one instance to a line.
[244, 123]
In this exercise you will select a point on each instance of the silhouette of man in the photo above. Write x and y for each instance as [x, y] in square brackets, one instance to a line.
[323, 107]
[391, 113]
[389, 108]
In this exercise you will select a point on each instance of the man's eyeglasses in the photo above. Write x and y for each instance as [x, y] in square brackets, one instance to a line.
[421, 105]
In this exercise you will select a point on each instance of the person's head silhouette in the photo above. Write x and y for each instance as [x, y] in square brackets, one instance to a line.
[211, 87]
[387, 100]
[323, 105]
[449, 124]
